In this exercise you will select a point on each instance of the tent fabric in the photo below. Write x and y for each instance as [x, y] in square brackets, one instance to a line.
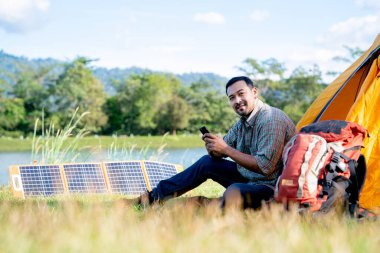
[355, 96]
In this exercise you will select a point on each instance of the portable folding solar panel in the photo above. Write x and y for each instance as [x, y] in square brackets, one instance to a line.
[127, 177]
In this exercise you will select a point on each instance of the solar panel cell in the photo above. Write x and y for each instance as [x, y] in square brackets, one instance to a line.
[126, 177]
[43, 180]
[85, 178]
[158, 171]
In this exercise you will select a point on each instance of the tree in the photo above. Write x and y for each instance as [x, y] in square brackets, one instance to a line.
[293, 94]
[141, 103]
[174, 114]
[300, 90]
[154, 91]
[209, 107]
[115, 115]
[267, 75]
[32, 88]
[12, 113]
[75, 88]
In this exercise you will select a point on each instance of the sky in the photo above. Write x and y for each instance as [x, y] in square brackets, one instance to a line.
[182, 36]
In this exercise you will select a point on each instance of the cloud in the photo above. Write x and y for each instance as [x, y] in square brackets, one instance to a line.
[22, 15]
[368, 3]
[259, 15]
[353, 32]
[209, 18]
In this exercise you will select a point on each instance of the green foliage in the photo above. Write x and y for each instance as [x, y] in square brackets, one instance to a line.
[12, 113]
[264, 69]
[209, 107]
[174, 114]
[143, 102]
[302, 88]
[75, 88]
[139, 105]
[293, 94]
[32, 88]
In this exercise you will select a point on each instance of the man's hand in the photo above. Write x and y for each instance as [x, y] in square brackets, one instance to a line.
[215, 145]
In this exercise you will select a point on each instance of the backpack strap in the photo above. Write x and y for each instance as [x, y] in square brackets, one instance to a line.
[353, 148]
[335, 166]
[334, 192]
[358, 172]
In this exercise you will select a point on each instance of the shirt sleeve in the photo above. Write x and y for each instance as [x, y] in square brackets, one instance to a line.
[231, 137]
[271, 141]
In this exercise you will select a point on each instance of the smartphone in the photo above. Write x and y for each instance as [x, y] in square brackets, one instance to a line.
[204, 130]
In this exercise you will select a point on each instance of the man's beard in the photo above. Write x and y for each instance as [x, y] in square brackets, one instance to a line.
[242, 112]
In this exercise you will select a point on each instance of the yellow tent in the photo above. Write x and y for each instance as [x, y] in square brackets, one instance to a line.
[355, 96]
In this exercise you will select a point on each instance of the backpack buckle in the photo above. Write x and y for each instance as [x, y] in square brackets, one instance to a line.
[341, 166]
[337, 164]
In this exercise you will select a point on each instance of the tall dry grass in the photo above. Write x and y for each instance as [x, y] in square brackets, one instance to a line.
[107, 224]
[128, 150]
[57, 145]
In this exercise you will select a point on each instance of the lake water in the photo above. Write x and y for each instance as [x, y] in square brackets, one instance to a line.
[184, 157]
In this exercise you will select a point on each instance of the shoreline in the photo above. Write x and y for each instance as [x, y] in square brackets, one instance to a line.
[106, 142]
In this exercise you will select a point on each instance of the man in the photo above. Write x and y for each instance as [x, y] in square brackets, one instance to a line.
[254, 145]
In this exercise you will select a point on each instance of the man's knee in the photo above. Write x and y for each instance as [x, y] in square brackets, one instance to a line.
[207, 164]
[232, 197]
[244, 196]
[206, 160]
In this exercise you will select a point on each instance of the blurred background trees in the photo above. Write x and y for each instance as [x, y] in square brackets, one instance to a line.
[141, 102]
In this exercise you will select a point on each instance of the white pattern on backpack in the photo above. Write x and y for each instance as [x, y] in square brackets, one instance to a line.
[315, 165]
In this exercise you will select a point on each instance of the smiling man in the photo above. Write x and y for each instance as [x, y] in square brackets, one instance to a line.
[253, 145]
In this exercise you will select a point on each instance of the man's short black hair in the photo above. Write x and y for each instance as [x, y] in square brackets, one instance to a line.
[240, 78]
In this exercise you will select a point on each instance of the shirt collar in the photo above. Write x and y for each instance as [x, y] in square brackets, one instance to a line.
[251, 119]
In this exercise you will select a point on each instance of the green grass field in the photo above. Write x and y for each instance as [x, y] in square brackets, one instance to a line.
[107, 224]
[179, 141]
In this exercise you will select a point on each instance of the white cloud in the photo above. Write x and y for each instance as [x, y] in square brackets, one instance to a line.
[209, 18]
[259, 15]
[21, 15]
[353, 32]
[369, 3]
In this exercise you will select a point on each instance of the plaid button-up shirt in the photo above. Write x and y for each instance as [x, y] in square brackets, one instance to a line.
[263, 135]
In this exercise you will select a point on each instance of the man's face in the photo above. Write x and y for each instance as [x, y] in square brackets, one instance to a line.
[242, 98]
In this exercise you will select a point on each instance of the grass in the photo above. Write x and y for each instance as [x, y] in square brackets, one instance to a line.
[105, 224]
[55, 146]
[104, 142]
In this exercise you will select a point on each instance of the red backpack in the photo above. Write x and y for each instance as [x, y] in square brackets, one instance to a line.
[322, 162]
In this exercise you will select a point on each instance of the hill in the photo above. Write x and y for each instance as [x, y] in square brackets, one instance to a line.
[12, 66]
